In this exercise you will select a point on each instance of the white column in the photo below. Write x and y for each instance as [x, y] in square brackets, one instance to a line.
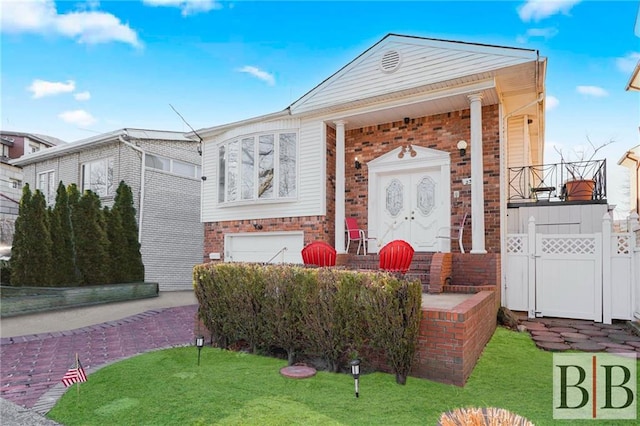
[477, 194]
[340, 184]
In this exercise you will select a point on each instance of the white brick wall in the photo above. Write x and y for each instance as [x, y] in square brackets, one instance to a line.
[172, 234]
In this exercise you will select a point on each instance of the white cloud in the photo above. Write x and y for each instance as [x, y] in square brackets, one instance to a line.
[79, 117]
[95, 28]
[82, 96]
[86, 26]
[188, 7]
[551, 102]
[258, 73]
[42, 88]
[628, 63]
[537, 10]
[596, 91]
[545, 33]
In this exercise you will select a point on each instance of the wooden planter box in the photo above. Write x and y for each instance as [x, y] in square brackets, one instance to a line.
[29, 300]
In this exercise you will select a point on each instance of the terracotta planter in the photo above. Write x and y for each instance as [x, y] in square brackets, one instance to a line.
[580, 190]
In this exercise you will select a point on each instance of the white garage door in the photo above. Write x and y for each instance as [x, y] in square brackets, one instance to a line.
[264, 247]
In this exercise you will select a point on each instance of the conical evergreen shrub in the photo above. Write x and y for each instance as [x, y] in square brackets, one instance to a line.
[117, 242]
[20, 262]
[40, 237]
[91, 241]
[31, 250]
[132, 258]
[64, 271]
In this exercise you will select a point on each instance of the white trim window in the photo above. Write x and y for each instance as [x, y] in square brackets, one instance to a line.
[258, 167]
[47, 185]
[170, 165]
[97, 176]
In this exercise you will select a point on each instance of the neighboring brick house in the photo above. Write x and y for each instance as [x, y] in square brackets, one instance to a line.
[14, 145]
[163, 170]
[379, 140]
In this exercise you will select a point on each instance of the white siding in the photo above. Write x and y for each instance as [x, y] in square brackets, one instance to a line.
[422, 63]
[311, 176]
[560, 219]
[515, 142]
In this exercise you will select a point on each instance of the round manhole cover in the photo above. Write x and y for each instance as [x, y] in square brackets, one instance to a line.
[298, 371]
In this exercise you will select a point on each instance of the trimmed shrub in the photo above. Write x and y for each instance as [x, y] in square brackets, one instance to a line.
[393, 316]
[311, 311]
[286, 291]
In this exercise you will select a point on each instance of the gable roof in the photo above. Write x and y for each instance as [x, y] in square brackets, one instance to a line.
[423, 65]
[98, 140]
[398, 63]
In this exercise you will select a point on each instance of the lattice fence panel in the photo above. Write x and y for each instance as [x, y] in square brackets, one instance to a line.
[569, 245]
[623, 243]
[517, 244]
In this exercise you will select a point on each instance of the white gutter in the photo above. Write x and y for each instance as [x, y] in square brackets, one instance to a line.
[142, 169]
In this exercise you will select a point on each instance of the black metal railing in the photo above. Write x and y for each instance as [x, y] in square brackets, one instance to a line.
[564, 181]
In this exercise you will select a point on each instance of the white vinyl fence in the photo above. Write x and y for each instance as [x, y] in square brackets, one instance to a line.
[584, 276]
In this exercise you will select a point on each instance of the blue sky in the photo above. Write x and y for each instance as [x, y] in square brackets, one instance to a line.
[74, 69]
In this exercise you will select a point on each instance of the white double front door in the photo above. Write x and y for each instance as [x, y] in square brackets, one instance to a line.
[409, 198]
[411, 208]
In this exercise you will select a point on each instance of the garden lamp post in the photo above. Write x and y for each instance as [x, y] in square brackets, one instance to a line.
[355, 371]
[199, 344]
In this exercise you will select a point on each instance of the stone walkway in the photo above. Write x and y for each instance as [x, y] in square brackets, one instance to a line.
[555, 334]
[33, 365]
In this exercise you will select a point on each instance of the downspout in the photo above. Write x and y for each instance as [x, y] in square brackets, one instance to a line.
[142, 169]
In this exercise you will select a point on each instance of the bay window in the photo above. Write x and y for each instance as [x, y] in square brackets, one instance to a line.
[258, 167]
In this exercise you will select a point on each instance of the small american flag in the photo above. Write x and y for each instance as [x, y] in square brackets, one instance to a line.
[74, 375]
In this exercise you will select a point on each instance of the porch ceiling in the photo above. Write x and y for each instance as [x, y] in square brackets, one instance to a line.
[416, 109]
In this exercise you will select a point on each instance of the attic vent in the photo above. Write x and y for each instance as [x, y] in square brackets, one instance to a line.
[390, 61]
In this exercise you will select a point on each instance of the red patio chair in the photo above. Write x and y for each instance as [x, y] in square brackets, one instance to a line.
[354, 233]
[319, 253]
[396, 256]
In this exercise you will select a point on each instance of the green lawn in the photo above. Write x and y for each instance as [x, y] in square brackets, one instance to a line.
[230, 388]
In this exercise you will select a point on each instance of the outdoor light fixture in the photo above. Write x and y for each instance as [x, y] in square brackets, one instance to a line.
[355, 371]
[462, 146]
[199, 344]
[357, 165]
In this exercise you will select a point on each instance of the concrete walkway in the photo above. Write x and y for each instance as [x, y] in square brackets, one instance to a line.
[37, 350]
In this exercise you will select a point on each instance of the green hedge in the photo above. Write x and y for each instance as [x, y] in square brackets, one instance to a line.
[330, 313]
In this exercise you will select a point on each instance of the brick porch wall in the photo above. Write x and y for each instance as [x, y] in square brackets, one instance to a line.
[451, 341]
[441, 132]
